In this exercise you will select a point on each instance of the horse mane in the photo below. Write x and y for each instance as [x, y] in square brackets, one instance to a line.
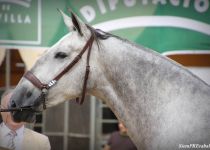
[102, 35]
[98, 34]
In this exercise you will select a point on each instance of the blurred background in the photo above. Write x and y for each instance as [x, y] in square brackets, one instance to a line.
[178, 29]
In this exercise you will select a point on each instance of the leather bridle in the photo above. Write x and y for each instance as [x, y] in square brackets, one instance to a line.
[44, 88]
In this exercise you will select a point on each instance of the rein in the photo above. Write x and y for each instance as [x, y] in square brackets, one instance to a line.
[44, 88]
[29, 108]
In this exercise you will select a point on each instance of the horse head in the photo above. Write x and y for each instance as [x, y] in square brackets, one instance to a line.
[52, 77]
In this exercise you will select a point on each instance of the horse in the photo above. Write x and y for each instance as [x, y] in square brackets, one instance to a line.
[163, 105]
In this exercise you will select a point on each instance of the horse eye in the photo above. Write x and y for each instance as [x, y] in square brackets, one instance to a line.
[61, 55]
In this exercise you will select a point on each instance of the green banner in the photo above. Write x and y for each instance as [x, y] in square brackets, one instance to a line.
[20, 22]
[163, 25]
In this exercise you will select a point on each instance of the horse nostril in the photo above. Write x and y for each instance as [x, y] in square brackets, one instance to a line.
[13, 104]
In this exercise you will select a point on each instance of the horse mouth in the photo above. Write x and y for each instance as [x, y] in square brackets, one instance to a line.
[24, 113]
[24, 116]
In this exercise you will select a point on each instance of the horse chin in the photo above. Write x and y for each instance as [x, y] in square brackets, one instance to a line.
[24, 116]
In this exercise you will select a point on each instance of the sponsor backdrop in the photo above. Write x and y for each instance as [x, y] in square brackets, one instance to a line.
[163, 25]
[179, 29]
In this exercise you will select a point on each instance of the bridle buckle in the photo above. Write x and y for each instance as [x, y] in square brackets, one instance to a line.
[51, 83]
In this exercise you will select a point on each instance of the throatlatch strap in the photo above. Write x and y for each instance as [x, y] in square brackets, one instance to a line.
[86, 73]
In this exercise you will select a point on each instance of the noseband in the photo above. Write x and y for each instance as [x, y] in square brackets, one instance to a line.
[44, 88]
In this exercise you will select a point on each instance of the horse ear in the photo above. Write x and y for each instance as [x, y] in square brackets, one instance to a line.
[77, 23]
[67, 20]
[73, 23]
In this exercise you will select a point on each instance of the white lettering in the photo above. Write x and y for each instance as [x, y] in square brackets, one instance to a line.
[88, 13]
[130, 3]
[201, 5]
[5, 18]
[159, 1]
[12, 19]
[3, 7]
[181, 146]
[112, 4]
[27, 20]
[186, 3]
[19, 18]
[193, 145]
[175, 2]
[101, 6]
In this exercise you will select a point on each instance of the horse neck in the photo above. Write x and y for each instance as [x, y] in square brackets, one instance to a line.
[123, 74]
[120, 63]
[130, 81]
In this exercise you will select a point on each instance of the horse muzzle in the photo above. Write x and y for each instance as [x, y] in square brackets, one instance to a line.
[24, 116]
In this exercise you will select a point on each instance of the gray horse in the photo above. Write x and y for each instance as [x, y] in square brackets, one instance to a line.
[163, 105]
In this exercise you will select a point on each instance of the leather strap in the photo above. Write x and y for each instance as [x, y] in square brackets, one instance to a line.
[34, 80]
[86, 75]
